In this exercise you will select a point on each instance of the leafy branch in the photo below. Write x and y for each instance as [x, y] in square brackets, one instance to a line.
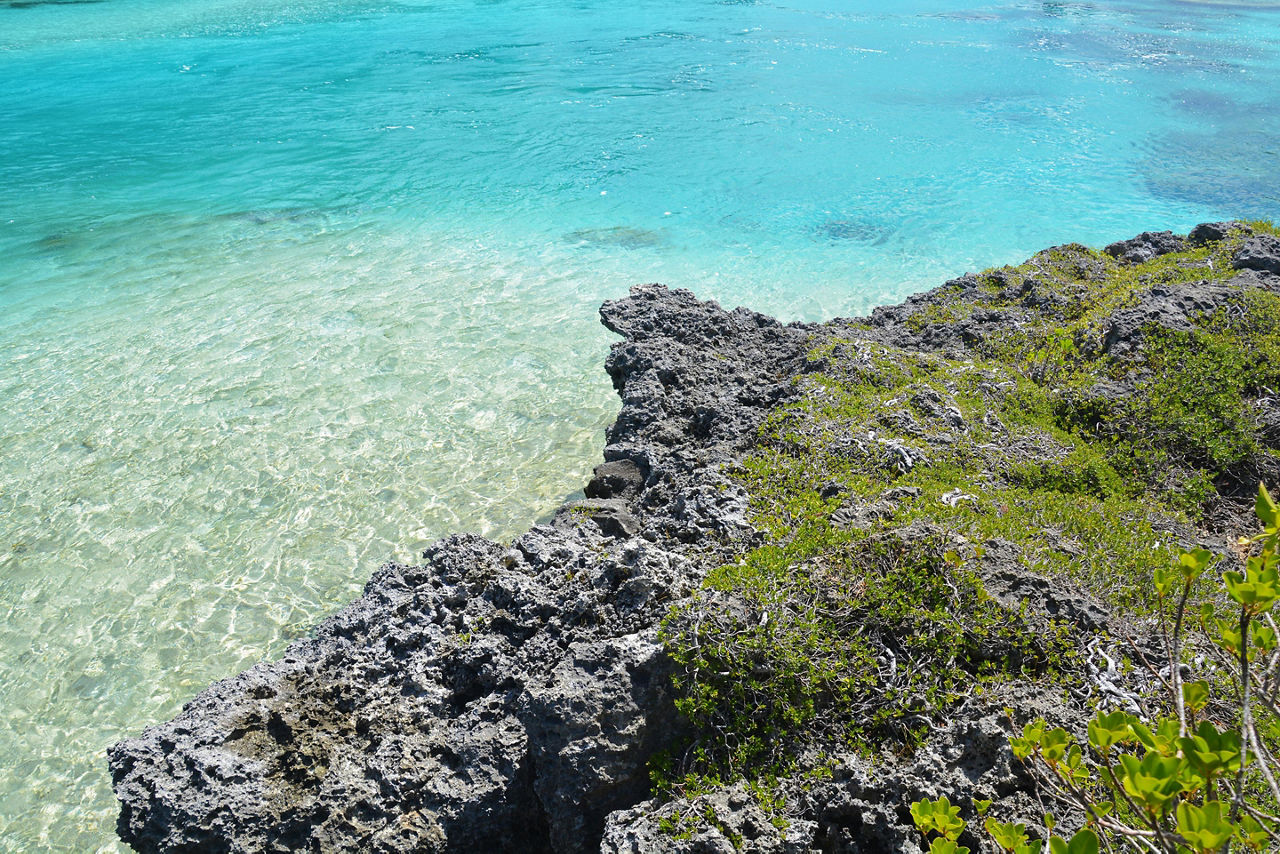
[1182, 783]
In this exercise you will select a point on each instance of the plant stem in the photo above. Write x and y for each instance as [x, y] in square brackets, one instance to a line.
[1246, 717]
[1175, 662]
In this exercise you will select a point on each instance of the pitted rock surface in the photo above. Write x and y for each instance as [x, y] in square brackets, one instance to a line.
[862, 809]
[1144, 247]
[1210, 232]
[1260, 253]
[1168, 307]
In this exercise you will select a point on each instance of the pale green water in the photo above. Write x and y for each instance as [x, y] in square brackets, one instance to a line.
[235, 420]
[288, 289]
[197, 467]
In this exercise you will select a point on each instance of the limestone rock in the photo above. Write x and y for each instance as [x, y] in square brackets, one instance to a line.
[1259, 253]
[490, 699]
[1144, 247]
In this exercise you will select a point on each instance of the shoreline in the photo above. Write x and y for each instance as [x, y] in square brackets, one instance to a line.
[500, 698]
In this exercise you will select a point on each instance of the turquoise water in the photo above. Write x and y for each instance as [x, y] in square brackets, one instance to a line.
[292, 287]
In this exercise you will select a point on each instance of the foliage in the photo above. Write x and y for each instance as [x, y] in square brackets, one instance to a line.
[1186, 422]
[832, 641]
[1190, 407]
[995, 465]
[1182, 782]
[938, 818]
[860, 616]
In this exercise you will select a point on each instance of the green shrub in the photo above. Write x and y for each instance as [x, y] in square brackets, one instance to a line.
[803, 644]
[1185, 780]
[824, 643]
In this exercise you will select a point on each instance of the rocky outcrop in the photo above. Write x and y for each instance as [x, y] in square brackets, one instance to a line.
[1144, 247]
[508, 698]
[863, 807]
[1260, 253]
[491, 698]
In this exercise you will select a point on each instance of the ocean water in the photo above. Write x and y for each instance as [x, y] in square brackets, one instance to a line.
[289, 288]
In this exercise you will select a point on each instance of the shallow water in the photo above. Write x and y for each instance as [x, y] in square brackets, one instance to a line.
[290, 288]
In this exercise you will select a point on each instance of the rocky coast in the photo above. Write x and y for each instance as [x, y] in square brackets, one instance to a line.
[822, 571]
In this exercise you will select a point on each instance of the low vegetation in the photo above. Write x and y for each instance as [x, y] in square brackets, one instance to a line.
[1195, 771]
[904, 479]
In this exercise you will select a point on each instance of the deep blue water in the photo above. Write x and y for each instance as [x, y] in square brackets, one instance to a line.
[291, 288]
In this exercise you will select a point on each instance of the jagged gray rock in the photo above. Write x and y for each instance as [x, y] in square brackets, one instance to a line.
[1211, 232]
[862, 809]
[618, 479]
[1164, 306]
[1144, 247]
[1260, 253]
[489, 699]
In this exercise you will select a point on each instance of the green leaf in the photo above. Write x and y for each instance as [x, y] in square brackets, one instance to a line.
[1212, 751]
[1073, 766]
[1266, 509]
[1253, 834]
[1084, 842]
[946, 846]
[1153, 781]
[1163, 739]
[1264, 637]
[1054, 745]
[1193, 563]
[1108, 730]
[1009, 836]
[1229, 637]
[1235, 581]
[1195, 695]
[1204, 828]
[938, 817]
[1259, 587]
